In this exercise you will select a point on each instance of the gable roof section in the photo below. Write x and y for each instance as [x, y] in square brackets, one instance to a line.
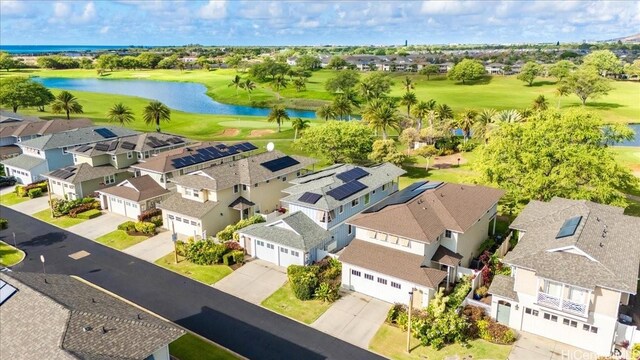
[45, 127]
[136, 189]
[195, 209]
[138, 142]
[23, 161]
[300, 232]
[74, 137]
[601, 252]
[83, 172]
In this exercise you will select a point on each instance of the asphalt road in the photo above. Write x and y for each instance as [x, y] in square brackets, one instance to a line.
[249, 330]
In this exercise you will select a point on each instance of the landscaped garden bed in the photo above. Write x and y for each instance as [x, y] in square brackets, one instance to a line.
[285, 302]
[208, 274]
[60, 221]
[9, 255]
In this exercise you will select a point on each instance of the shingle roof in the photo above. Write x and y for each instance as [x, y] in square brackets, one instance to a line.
[191, 208]
[241, 203]
[141, 142]
[396, 263]
[23, 161]
[323, 181]
[604, 251]
[294, 230]
[99, 326]
[74, 137]
[45, 127]
[137, 189]
[502, 285]
[446, 256]
[84, 172]
[424, 217]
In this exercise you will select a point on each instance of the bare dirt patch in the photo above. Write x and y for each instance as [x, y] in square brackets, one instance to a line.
[448, 161]
[230, 132]
[261, 132]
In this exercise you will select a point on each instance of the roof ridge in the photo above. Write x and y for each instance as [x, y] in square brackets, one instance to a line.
[127, 321]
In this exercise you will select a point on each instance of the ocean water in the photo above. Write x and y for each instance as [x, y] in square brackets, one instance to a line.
[50, 49]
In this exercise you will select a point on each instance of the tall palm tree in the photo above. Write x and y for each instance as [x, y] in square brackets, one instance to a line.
[298, 125]
[120, 113]
[279, 115]
[326, 112]
[300, 84]
[380, 114]
[562, 90]
[342, 106]
[466, 121]
[420, 111]
[409, 99]
[279, 82]
[407, 83]
[367, 91]
[443, 113]
[249, 86]
[155, 112]
[237, 82]
[484, 124]
[509, 116]
[65, 102]
[540, 103]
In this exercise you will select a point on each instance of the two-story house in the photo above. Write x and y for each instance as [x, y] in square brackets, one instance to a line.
[51, 152]
[209, 199]
[418, 239]
[574, 267]
[132, 196]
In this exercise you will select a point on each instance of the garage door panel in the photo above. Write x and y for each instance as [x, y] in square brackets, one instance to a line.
[266, 251]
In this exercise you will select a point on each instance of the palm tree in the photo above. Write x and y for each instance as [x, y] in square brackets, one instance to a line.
[237, 82]
[299, 124]
[409, 99]
[279, 115]
[540, 103]
[466, 121]
[248, 86]
[509, 116]
[300, 84]
[484, 124]
[380, 114]
[420, 111]
[407, 83]
[279, 82]
[443, 113]
[154, 112]
[342, 106]
[367, 91]
[67, 103]
[562, 90]
[120, 113]
[326, 112]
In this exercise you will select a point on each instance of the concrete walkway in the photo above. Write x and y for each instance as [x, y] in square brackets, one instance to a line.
[32, 206]
[354, 318]
[153, 248]
[254, 281]
[103, 224]
[534, 347]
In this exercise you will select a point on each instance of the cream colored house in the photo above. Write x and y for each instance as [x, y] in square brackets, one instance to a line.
[82, 180]
[207, 200]
[574, 275]
[132, 196]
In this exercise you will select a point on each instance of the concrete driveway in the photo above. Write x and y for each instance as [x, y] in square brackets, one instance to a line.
[154, 247]
[32, 206]
[354, 318]
[103, 224]
[534, 347]
[254, 281]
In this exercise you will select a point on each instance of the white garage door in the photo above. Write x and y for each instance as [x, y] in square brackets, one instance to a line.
[183, 226]
[266, 251]
[375, 285]
[116, 205]
[289, 257]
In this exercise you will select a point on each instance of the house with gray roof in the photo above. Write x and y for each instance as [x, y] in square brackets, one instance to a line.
[61, 317]
[51, 152]
[82, 180]
[574, 275]
[133, 196]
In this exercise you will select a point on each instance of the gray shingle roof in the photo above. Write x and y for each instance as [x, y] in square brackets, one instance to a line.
[324, 180]
[604, 251]
[502, 285]
[84, 172]
[75, 137]
[141, 142]
[137, 189]
[129, 332]
[294, 230]
[191, 208]
[23, 161]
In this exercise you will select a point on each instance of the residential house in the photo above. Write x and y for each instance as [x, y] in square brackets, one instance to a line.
[170, 164]
[419, 238]
[574, 274]
[17, 132]
[132, 196]
[333, 195]
[82, 180]
[51, 152]
[209, 199]
[495, 69]
[52, 316]
[445, 67]
[290, 239]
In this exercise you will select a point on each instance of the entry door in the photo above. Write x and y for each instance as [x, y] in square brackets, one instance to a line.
[417, 299]
[504, 311]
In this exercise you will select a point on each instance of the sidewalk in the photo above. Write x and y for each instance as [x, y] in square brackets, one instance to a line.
[153, 248]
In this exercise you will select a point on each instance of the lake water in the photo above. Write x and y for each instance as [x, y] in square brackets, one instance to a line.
[183, 96]
[636, 141]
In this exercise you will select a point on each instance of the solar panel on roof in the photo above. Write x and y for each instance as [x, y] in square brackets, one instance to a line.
[353, 174]
[175, 140]
[428, 186]
[105, 133]
[280, 163]
[66, 175]
[128, 146]
[347, 189]
[6, 291]
[310, 198]
[57, 173]
[250, 146]
[569, 227]
[102, 147]
[400, 197]
[113, 145]
[83, 148]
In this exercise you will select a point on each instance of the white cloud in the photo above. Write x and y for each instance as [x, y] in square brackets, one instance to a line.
[88, 14]
[215, 9]
[452, 7]
[10, 7]
[61, 9]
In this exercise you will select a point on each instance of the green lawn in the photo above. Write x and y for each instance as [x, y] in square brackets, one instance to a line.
[11, 199]
[119, 239]
[391, 342]
[633, 208]
[9, 255]
[192, 347]
[284, 302]
[462, 174]
[62, 221]
[208, 274]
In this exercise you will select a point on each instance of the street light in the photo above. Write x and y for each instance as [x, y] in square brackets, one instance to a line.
[14, 240]
[174, 239]
[42, 261]
[409, 322]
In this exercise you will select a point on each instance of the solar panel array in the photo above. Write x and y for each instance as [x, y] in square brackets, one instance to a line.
[102, 147]
[405, 195]
[310, 198]
[175, 140]
[347, 189]
[105, 133]
[154, 142]
[569, 227]
[128, 146]
[113, 145]
[63, 173]
[211, 153]
[83, 148]
[6, 291]
[280, 163]
[353, 174]
[428, 186]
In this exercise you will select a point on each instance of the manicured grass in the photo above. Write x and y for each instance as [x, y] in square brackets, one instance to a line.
[11, 199]
[391, 342]
[208, 274]
[192, 347]
[633, 208]
[119, 239]
[284, 302]
[62, 221]
[9, 255]
[462, 174]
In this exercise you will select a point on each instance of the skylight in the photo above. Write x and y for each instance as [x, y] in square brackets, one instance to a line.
[569, 227]
[6, 291]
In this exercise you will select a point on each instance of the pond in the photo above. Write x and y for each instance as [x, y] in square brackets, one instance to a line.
[183, 96]
[636, 141]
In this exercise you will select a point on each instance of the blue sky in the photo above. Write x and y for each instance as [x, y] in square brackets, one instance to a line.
[178, 22]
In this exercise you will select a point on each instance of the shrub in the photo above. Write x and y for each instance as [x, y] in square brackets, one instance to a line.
[148, 214]
[394, 312]
[227, 259]
[42, 185]
[4, 223]
[156, 220]
[635, 351]
[34, 193]
[145, 227]
[233, 245]
[494, 332]
[19, 190]
[482, 291]
[181, 247]
[204, 252]
[128, 226]
[326, 292]
[303, 280]
[89, 214]
[238, 256]
[81, 208]
[468, 146]
[228, 233]
[459, 293]
[64, 207]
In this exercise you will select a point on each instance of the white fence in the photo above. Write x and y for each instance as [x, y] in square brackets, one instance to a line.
[504, 247]
[629, 333]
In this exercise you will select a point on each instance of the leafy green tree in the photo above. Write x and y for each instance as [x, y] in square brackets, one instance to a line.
[298, 125]
[540, 103]
[409, 99]
[467, 70]
[427, 152]
[86, 63]
[632, 69]
[326, 112]
[170, 62]
[408, 136]
[555, 154]
[342, 81]
[341, 106]
[233, 60]
[586, 83]
[65, 102]
[338, 141]
[279, 82]
[336, 63]
[155, 112]
[7, 62]
[529, 72]
[149, 60]
[561, 69]
[386, 151]
[108, 61]
[279, 115]
[484, 124]
[248, 85]
[236, 82]
[562, 90]
[300, 84]
[16, 92]
[375, 85]
[130, 62]
[203, 62]
[309, 62]
[422, 110]
[444, 113]
[380, 114]
[120, 113]
[604, 61]
[509, 116]
[429, 70]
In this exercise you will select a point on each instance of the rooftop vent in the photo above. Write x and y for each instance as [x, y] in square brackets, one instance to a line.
[87, 328]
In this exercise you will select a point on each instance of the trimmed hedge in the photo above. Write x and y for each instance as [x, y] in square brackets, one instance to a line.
[4, 223]
[89, 214]
[24, 190]
[64, 207]
[34, 193]
[157, 220]
[148, 214]
[229, 232]
[128, 226]
[145, 227]
[83, 207]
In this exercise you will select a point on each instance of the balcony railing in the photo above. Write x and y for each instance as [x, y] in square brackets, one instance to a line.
[562, 304]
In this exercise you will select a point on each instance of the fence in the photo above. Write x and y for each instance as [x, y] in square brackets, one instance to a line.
[504, 247]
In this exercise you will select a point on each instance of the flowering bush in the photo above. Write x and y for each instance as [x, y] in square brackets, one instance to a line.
[148, 214]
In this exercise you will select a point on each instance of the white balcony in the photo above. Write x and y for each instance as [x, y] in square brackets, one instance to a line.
[565, 305]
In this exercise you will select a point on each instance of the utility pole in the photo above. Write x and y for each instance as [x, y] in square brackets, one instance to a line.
[410, 309]
[50, 202]
[174, 239]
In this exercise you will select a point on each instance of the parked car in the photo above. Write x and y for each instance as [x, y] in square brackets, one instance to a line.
[7, 181]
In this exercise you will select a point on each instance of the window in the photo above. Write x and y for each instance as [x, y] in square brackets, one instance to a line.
[382, 281]
[395, 285]
[367, 198]
[368, 277]
[373, 192]
[64, 150]
[109, 179]
[284, 178]
[244, 187]
[403, 242]
[531, 311]
[550, 317]
[171, 217]
[552, 288]
[587, 327]
[113, 157]
[196, 193]
[260, 243]
[594, 329]
[355, 202]
[341, 209]
[270, 246]
[447, 234]
[295, 253]
[565, 321]
[178, 218]
[194, 223]
[129, 154]
[350, 229]
[284, 251]
[573, 324]
[577, 295]
[236, 188]
[188, 192]
[356, 272]
[384, 187]
[255, 185]
[75, 158]
[186, 221]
